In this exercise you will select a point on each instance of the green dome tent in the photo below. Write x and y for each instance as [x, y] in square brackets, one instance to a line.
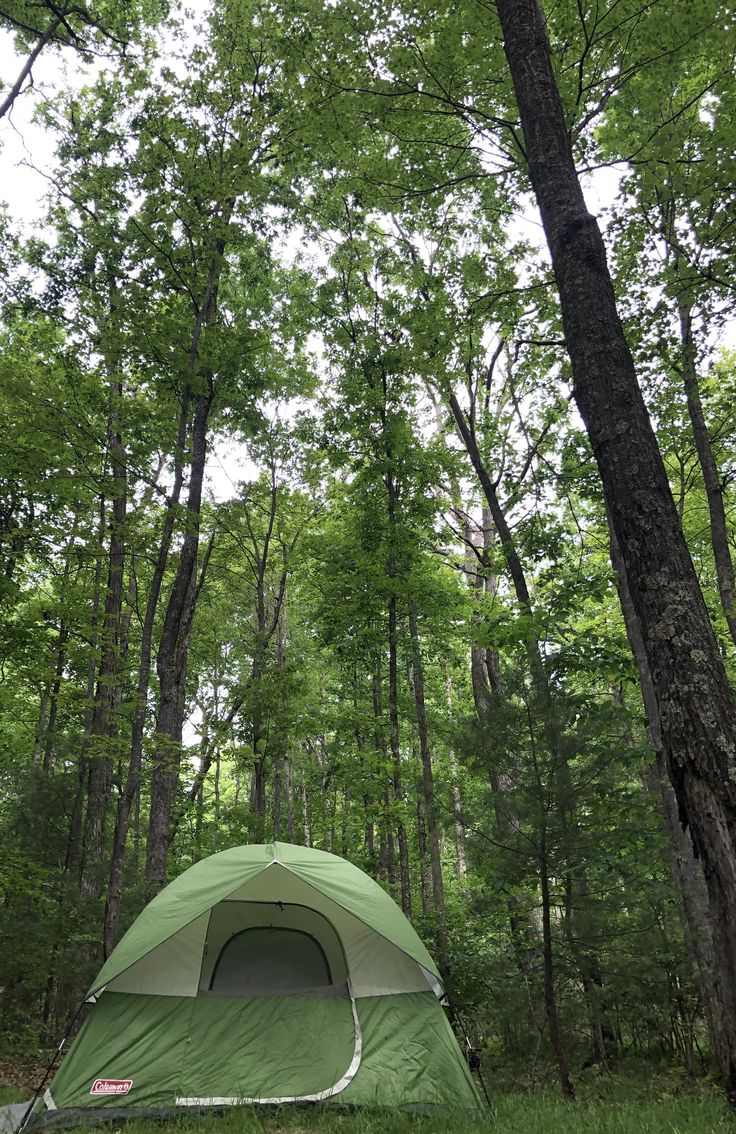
[265, 974]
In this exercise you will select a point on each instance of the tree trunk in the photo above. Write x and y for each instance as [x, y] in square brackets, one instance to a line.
[49, 707]
[685, 869]
[171, 660]
[461, 858]
[104, 725]
[711, 478]
[289, 801]
[430, 811]
[130, 794]
[426, 891]
[696, 706]
[277, 781]
[307, 826]
[386, 860]
[74, 842]
[393, 712]
[550, 999]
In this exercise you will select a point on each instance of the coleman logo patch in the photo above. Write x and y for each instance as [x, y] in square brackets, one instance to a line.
[111, 1086]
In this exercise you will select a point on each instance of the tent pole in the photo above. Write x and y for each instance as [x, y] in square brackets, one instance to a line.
[475, 1065]
[49, 1069]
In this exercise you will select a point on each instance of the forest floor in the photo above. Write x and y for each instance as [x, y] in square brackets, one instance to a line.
[610, 1106]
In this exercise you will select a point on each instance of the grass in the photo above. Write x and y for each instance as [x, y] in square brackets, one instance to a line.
[511, 1114]
[13, 1094]
[607, 1106]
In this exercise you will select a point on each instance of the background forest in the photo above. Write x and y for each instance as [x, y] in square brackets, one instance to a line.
[302, 536]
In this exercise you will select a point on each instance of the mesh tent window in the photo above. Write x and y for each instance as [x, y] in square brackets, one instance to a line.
[270, 960]
[270, 948]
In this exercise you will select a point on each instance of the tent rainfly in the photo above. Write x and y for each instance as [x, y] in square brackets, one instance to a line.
[264, 974]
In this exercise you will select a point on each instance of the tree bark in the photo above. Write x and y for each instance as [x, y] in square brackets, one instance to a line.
[428, 799]
[696, 706]
[74, 842]
[424, 882]
[130, 794]
[171, 659]
[386, 859]
[711, 478]
[461, 857]
[685, 869]
[43, 39]
[550, 998]
[104, 725]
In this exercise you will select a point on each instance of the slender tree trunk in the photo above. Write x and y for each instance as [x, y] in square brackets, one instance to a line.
[49, 707]
[550, 999]
[43, 712]
[393, 712]
[171, 660]
[305, 811]
[386, 859]
[586, 964]
[696, 705]
[277, 779]
[344, 816]
[53, 700]
[289, 801]
[712, 479]
[43, 39]
[430, 811]
[461, 858]
[104, 725]
[216, 801]
[424, 878]
[198, 823]
[74, 842]
[387, 852]
[130, 794]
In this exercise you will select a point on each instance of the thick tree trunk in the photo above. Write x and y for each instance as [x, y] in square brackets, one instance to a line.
[685, 869]
[696, 706]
